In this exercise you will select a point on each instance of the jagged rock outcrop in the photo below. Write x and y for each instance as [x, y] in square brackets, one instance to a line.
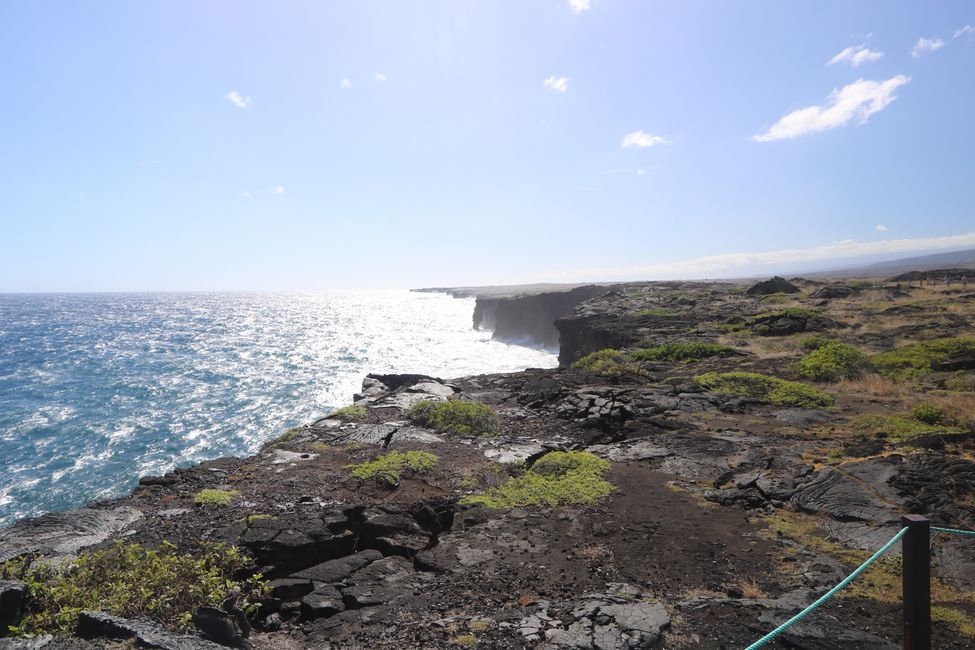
[530, 318]
[773, 285]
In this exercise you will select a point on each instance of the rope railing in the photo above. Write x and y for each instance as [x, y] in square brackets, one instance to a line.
[911, 520]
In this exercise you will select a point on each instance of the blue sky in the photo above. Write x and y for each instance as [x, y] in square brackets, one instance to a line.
[302, 145]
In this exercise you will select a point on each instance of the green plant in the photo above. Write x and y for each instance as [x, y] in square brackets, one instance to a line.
[456, 416]
[775, 390]
[961, 383]
[557, 478]
[657, 312]
[388, 469]
[918, 359]
[814, 342]
[130, 580]
[258, 517]
[791, 312]
[609, 362]
[215, 497]
[350, 413]
[900, 428]
[930, 414]
[833, 361]
[681, 351]
[775, 299]
[287, 436]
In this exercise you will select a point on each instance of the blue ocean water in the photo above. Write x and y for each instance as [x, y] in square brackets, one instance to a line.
[97, 390]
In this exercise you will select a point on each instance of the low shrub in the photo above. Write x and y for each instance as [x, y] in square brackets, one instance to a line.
[833, 361]
[961, 383]
[130, 580]
[557, 478]
[215, 497]
[389, 468]
[350, 413]
[791, 312]
[918, 359]
[681, 351]
[930, 414]
[609, 362]
[814, 342]
[900, 428]
[456, 416]
[775, 390]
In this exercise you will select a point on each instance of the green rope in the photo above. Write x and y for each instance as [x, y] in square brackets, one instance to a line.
[829, 594]
[954, 531]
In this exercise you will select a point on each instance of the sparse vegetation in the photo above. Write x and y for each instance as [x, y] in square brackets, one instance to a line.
[961, 383]
[833, 361]
[389, 468]
[682, 351]
[456, 416]
[902, 428]
[557, 478]
[918, 359]
[930, 414]
[350, 413]
[287, 436]
[775, 390]
[215, 497]
[130, 580]
[658, 312]
[791, 312]
[609, 362]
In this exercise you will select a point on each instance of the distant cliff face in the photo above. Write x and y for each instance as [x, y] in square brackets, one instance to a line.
[530, 318]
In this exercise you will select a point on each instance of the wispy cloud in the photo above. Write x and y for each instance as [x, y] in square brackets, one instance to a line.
[278, 189]
[578, 6]
[882, 228]
[345, 84]
[381, 77]
[246, 195]
[638, 171]
[560, 84]
[926, 45]
[237, 99]
[856, 55]
[641, 140]
[858, 100]
[967, 30]
[738, 264]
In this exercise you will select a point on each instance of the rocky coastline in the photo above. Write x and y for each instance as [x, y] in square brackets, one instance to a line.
[728, 508]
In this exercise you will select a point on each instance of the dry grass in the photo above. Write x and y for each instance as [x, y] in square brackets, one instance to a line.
[751, 589]
[960, 406]
[592, 552]
[877, 386]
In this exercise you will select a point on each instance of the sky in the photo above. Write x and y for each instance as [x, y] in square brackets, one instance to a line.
[185, 145]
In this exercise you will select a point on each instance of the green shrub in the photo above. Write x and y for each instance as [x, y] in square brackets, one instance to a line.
[388, 469]
[130, 580]
[775, 390]
[791, 312]
[917, 360]
[557, 478]
[814, 342]
[456, 416]
[215, 497]
[350, 413]
[287, 436]
[652, 313]
[930, 414]
[899, 428]
[609, 362]
[681, 352]
[775, 299]
[833, 361]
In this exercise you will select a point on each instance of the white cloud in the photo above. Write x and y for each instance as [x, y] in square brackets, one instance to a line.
[858, 100]
[926, 45]
[279, 189]
[346, 84]
[740, 264]
[855, 56]
[639, 171]
[561, 84]
[882, 228]
[381, 77]
[641, 139]
[246, 195]
[966, 30]
[237, 99]
[578, 6]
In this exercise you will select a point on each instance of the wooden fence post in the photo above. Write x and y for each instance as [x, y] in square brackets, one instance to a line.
[916, 546]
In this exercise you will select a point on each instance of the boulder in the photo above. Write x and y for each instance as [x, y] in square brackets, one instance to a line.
[95, 625]
[773, 285]
[12, 595]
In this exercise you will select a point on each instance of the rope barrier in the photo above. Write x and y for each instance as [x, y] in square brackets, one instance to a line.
[954, 531]
[829, 594]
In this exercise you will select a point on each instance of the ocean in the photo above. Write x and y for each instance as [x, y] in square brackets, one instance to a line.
[97, 390]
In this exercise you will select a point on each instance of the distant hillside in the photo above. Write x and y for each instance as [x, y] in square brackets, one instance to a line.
[952, 260]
